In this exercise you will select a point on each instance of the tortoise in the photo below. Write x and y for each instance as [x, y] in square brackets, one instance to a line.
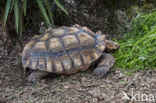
[68, 50]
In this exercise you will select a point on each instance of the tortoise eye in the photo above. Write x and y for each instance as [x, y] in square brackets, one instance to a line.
[117, 46]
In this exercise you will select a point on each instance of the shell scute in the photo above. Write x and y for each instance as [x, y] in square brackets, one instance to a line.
[76, 58]
[45, 36]
[58, 32]
[55, 45]
[85, 39]
[58, 66]
[27, 48]
[49, 63]
[66, 61]
[73, 30]
[95, 54]
[70, 42]
[86, 56]
[41, 63]
[40, 46]
[34, 61]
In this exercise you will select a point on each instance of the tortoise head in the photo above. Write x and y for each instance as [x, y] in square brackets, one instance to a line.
[111, 46]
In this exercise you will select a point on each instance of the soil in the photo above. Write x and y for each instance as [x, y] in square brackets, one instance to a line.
[79, 88]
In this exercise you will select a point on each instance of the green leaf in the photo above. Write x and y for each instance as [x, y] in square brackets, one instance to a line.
[20, 22]
[60, 6]
[43, 11]
[16, 13]
[12, 5]
[47, 3]
[25, 6]
[7, 8]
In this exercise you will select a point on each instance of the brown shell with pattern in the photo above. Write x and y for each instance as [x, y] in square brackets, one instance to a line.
[64, 50]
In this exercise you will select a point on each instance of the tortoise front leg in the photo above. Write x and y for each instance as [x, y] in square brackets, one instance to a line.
[105, 65]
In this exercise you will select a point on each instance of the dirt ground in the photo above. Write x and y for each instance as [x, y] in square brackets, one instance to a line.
[116, 87]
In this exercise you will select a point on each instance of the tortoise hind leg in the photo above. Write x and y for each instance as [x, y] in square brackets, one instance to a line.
[37, 75]
[105, 65]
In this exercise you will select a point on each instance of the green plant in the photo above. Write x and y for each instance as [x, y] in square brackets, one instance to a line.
[138, 49]
[19, 8]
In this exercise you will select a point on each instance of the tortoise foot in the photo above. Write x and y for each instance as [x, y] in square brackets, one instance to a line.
[101, 71]
[36, 76]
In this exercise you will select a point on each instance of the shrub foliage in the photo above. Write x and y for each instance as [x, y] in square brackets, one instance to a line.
[138, 49]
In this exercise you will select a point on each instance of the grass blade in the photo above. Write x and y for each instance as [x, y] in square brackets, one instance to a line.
[25, 6]
[60, 6]
[43, 11]
[7, 8]
[47, 3]
[16, 13]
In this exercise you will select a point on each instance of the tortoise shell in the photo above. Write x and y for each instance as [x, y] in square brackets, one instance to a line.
[62, 50]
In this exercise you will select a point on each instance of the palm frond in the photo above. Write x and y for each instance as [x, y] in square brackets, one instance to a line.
[16, 14]
[43, 11]
[7, 8]
[60, 6]
[49, 9]
[25, 6]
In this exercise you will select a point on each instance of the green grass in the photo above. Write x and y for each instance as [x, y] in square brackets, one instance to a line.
[138, 48]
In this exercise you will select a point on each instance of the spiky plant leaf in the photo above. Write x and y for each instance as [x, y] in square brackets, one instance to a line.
[43, 11]
[7, 8]
[60, 6]
[25, 6]
[49, 9]
[16, 13]
[12, 6]
[20, 22]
